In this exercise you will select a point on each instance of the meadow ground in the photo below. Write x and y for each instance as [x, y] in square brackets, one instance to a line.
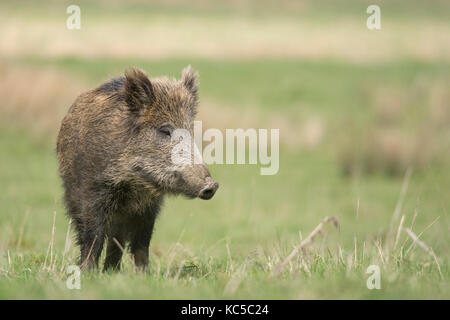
[364, 138]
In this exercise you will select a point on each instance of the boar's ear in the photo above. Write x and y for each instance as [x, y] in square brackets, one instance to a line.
[138, 89]
[189, 78]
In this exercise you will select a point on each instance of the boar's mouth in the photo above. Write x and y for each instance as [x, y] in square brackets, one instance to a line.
[177, 180]
[182, 186]
[147, 177]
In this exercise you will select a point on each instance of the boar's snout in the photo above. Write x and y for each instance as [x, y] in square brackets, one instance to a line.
[195, 181]
[208, 192]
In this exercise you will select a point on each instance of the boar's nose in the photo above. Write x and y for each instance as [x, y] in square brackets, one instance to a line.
[207, 192]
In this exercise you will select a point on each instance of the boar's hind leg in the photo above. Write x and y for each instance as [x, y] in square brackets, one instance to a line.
[140, 241]
[114, 253]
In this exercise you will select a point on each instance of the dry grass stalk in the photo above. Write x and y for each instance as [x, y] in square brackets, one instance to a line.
[22, 227]
[380, 250]
[420, 234]
[229, 257]
[363, 252]
[180, 268]
[84, 263]
[124, 253]
[355, 240]
[399, 230]
[424, 247]
[66, 245]
[411, 227]
[341, 256]
[305, 267]
[50, 246]
[158, 267]
[399, 206]
[308, 240]
[169, 265]
[236, 279]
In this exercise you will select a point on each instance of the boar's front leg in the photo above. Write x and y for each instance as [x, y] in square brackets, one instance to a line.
[140, 240]
[92, 237]
[114, 251]
[91, 247]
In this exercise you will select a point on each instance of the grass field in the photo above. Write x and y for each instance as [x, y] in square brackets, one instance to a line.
[364, 139]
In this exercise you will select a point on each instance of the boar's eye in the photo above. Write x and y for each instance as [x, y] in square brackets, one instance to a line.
[165, 130]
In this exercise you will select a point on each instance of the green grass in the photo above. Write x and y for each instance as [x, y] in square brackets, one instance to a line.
[330, 88]
[257, 217]
[230, 247]
[315, 11]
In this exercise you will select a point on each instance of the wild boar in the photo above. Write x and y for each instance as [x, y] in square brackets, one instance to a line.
[114, 151]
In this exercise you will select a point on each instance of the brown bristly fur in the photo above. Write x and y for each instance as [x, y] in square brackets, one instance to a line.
[114, 151]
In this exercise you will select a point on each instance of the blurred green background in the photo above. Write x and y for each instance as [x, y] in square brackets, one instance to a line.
[361, 112]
